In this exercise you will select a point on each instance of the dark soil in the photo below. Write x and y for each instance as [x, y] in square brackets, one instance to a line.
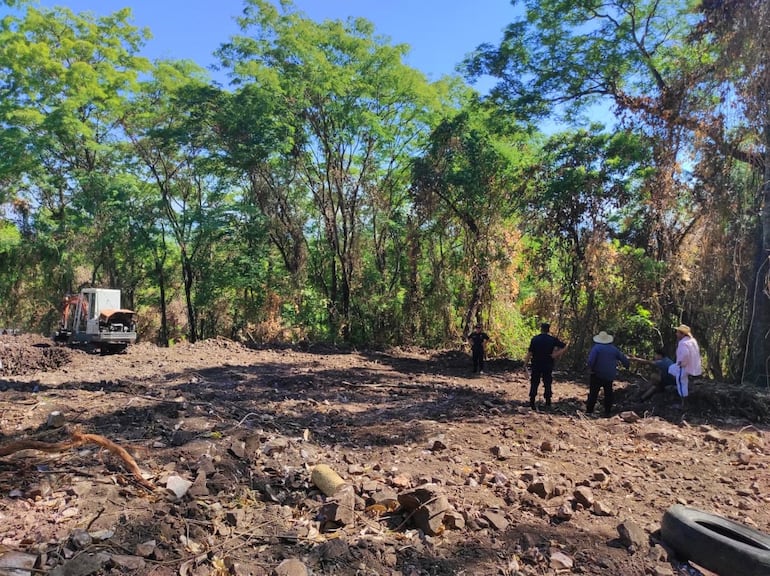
[523, 492]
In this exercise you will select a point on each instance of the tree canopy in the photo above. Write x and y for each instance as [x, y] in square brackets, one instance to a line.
[332, 192]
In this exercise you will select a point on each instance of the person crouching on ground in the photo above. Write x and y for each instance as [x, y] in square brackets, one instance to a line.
[478, 340]
[661, 378]
[543, 350]
[688, 361]
[603, 367]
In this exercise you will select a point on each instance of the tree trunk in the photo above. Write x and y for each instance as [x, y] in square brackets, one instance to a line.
[163, 336]
[756, 367]
[345, 304]
[584, 332]
[192, 321]
[480, 281]
[331, 298]
[412, 303]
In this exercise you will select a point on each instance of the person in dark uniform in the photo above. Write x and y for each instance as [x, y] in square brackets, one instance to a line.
[543, 350]
[478, 340]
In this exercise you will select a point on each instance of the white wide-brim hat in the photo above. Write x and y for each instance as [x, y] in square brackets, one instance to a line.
[684, 329]
[603, 338]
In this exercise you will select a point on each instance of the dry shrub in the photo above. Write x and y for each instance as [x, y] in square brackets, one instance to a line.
[272, 327]
[269, 331]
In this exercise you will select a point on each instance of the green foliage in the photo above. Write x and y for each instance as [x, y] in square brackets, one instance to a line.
[11, 266]
[10, 237]
[332, 192]
[465, 187]
[344, 114]
[64, 78]
[582, 181]
[569, 54]
[510, 330]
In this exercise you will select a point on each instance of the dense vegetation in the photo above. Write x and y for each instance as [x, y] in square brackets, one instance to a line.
[330, 192]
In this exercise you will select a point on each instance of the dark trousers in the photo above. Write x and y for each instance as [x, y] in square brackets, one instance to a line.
[478, 360]
[544, 373]
[594, 386]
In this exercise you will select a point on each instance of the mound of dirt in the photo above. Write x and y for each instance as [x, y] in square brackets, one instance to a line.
[28, 353]
[722, 400]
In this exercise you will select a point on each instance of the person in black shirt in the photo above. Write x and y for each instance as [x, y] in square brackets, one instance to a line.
[543, 350]
[478, 341]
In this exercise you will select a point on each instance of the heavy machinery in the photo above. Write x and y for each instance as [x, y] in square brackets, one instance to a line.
[95, 319]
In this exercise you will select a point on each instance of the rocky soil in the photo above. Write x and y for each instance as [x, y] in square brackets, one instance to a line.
[240, 453]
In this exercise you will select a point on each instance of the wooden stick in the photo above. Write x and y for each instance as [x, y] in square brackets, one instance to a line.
[118, 451]
[19, 445]
[78, 439]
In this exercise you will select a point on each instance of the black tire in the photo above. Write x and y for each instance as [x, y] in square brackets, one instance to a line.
[716, 543]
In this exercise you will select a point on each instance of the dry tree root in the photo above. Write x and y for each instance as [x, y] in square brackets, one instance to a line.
[79, 439]
[118, 451]
[19, 445]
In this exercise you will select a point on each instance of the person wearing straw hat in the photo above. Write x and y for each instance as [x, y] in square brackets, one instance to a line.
[603, 366]
[688, 361]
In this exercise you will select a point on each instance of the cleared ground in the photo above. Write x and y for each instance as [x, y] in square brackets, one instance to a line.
[521, 492]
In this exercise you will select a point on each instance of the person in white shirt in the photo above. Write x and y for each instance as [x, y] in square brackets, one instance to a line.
[687, 360]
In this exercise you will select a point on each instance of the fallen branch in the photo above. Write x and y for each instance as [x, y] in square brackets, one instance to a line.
[79, 439]
[19, 445]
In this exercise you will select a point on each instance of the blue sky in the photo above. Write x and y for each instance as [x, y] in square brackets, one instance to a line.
[439, 32]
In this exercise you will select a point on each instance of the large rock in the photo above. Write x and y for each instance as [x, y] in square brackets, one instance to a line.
[427, 506]
[496, 519]
[660, 435]
[326, 479]
[82, 565]
[543, 487]
[560, 562]
[584, 496]
[716, 436]
[339, 511]
[291, 567]
[632, 536]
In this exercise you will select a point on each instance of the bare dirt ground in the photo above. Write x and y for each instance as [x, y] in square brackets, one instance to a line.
[445, 472]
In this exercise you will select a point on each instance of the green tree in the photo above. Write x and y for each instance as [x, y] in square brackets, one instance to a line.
[171, 128]
[737, 126]
[11, 266]
[465, 187]
[583, 180]
[691, 76]
[356, 113]
[256, 133]
[65, 79]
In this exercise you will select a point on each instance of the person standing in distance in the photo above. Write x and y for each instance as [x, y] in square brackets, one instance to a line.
[603, 366]
[687, 361]
[543, 350]
[478, 340]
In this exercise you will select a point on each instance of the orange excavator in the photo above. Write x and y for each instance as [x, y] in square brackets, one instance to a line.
[94, 318]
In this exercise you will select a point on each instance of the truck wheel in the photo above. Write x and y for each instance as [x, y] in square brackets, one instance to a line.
[716, 543]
